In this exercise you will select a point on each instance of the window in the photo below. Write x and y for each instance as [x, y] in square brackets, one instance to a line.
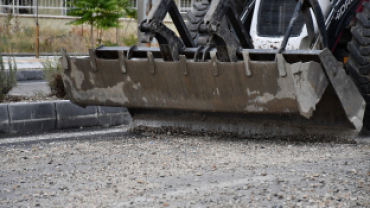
[45, 7]
[274, 18]
[16, 6]
[186, 5]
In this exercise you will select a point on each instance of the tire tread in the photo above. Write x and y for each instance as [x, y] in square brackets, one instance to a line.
[358, 64]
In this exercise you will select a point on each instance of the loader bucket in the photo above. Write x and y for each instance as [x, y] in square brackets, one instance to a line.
[290, 94]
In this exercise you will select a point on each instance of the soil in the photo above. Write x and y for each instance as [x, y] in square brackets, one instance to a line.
[35, 98]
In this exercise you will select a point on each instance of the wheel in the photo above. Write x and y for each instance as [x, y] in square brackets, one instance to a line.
[195, 16]
[199, 10]
[358, 63]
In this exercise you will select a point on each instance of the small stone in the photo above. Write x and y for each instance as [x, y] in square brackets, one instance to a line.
[63, 188]
[166, 204]
[199, 174]
[263, 174]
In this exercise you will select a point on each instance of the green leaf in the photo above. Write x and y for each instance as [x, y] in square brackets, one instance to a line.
[100, 13]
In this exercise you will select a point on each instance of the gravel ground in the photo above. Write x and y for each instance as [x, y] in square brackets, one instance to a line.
[29, 98]
[131, 170]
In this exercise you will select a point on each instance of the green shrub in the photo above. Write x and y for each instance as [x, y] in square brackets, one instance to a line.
[8, 78]
[25, 45]
[29, 31]
[8, 22]
[3, 41]
[129, 40]
[109, 43]
[53, 74]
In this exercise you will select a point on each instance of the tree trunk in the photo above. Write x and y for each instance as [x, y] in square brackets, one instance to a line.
[97, 32]
[91, 36]
[101, 36]
[117, 35]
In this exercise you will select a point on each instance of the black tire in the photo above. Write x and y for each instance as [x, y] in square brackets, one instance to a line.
[358, 63]
[196, 15]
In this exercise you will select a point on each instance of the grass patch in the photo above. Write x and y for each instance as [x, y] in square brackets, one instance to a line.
[129, 40]
[53, 74]
[21, 38]
[8, 78]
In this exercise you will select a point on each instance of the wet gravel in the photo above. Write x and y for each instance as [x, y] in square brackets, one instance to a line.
[184, 171]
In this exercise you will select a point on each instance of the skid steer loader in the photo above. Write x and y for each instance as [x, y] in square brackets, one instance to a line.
[249, 68]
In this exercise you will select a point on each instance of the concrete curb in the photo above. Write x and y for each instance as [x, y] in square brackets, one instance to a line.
[51, 115]
[29, 74]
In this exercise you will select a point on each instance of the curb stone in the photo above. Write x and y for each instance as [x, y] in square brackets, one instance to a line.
[29, 74]
[51, 115]
[113, 116]
[28, 117]
[70, 115]
[4, 120]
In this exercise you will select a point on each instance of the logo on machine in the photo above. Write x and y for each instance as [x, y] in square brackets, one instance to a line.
[343, 9]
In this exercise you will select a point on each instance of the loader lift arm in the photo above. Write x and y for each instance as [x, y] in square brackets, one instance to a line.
[212, 28]
[228, 43]
[169, 42]
[303, 6]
